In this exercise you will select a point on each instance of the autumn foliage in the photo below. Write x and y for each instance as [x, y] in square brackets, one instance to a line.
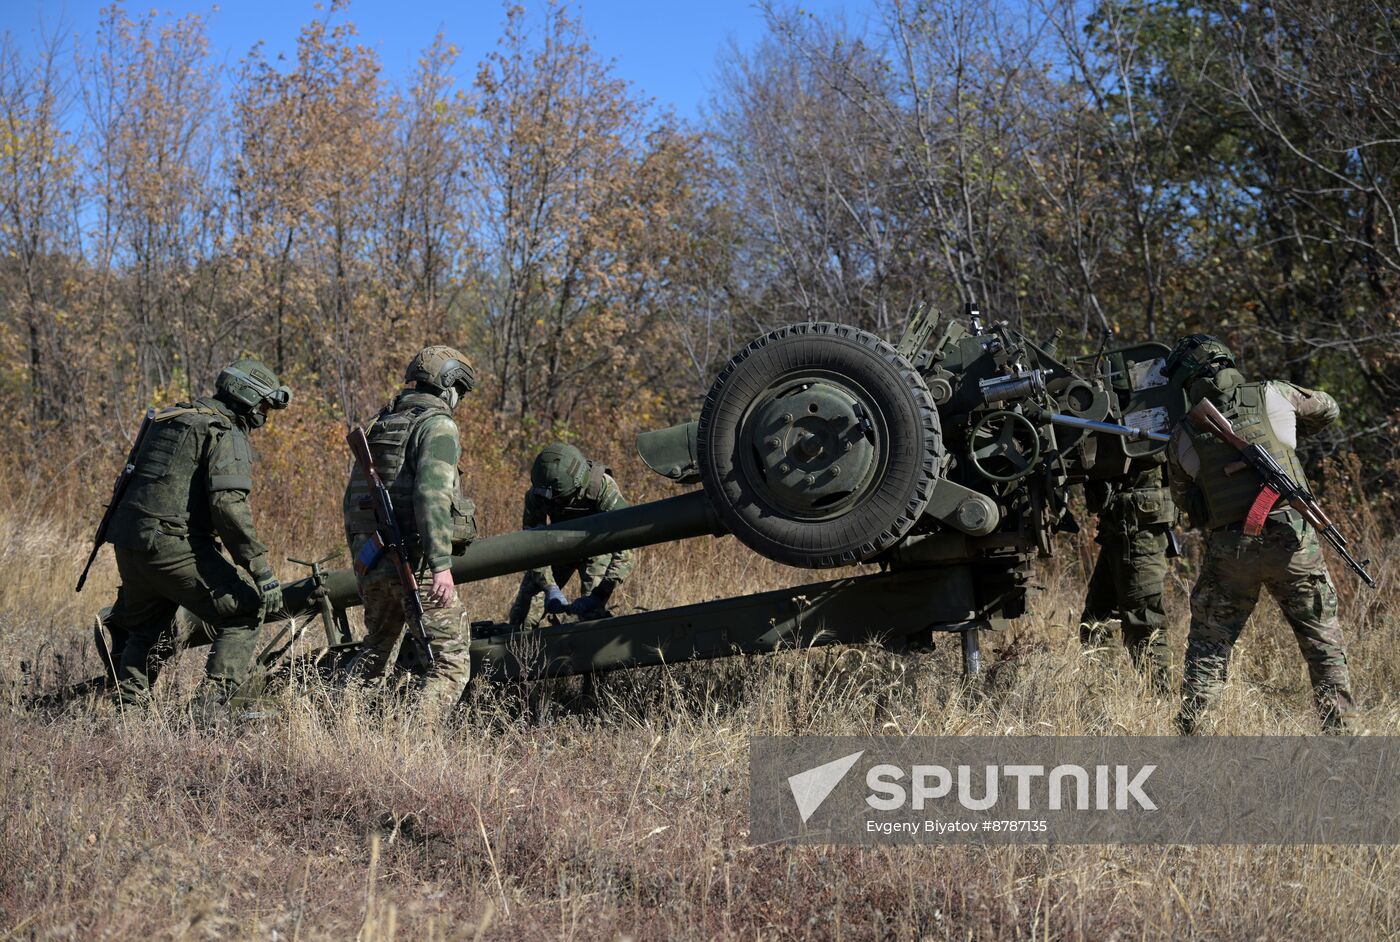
[1149, 168]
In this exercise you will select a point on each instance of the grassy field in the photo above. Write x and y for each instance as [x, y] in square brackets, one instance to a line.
[342, 818]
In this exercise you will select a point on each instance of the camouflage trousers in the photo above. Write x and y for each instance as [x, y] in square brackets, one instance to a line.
[1287, 559]
[385, 623]
[1127, 586]
[527, 611]
[155, 585]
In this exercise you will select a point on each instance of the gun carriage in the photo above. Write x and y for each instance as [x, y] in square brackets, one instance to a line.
[944, 461]
[946, 464]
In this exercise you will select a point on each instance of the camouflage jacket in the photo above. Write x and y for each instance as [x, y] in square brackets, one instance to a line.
[193, 476]
[415, 447]
[599, 495]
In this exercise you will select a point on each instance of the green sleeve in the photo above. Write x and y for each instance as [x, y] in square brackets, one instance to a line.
[436, 452]
[230, 478]
[536, 514]
[623, 561]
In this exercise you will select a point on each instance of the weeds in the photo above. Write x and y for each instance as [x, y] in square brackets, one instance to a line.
[340, 816]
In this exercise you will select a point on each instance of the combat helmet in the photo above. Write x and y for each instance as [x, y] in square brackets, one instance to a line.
[1195, 354]
[443, 368]
[250, 388]
[559, 472]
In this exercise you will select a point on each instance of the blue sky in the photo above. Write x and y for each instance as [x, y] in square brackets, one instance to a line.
[668, 50]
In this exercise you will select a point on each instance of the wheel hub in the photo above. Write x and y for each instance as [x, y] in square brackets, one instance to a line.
[814, 447]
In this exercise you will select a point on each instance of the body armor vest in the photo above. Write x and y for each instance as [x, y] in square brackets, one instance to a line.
[391, 441]
[1228, 497]
[167, 488]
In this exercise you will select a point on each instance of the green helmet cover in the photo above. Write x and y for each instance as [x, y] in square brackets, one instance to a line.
[441, 367]
[247, 384]
[1193, 355]
[559, 472]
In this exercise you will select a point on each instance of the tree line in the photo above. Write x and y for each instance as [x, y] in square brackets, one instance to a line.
[1147, 168]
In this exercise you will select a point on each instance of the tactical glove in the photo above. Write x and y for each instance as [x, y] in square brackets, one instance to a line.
[271, 591]
[586, 606]
[554, 601]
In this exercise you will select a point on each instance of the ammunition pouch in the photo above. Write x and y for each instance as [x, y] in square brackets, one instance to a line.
[1150, 507]
[463, 523]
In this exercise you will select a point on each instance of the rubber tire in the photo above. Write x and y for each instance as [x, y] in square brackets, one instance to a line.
[893, 504]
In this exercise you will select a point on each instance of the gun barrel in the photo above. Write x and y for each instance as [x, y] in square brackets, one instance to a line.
[1089, 425]
[1339, 543]
[675, 518]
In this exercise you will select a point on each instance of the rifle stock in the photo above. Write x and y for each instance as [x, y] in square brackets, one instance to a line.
[1208, 417]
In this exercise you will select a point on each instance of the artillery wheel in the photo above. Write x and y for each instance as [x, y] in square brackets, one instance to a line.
[819, 445]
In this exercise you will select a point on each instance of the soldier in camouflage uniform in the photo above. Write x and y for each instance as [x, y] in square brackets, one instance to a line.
[190, 491]
[415, 448]
[564, 485]
[1284, 557]
[1135, 521]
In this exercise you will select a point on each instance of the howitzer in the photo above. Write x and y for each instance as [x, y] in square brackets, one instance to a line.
[118, 489]
[1275, 485]
[389, 541]
[946, 460]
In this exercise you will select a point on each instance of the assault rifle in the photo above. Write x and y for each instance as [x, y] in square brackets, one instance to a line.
[118, 490]
[388, 540]
[1276, 486]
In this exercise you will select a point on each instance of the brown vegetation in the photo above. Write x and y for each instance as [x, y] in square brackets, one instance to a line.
[1152, 168]
[341, 816]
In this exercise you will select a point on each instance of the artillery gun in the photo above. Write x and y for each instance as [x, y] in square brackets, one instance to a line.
[946, 462]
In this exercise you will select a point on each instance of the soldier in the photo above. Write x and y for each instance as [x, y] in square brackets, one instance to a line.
[189, 491]
[415, 448]
[1285, 557]
[564, 485]
[1135, 522]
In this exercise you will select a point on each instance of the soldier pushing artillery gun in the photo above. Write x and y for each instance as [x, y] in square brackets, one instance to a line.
[946, 460]
[820, 445]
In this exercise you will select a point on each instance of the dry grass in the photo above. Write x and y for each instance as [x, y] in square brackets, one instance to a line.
[341, 818]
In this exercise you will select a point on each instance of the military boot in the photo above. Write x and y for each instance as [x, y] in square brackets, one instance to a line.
[1335, 708]
[212, 703]
[437, 699]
